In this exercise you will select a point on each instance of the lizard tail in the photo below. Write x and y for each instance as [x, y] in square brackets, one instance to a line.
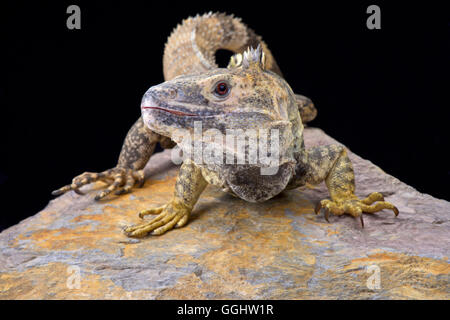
[192, 45]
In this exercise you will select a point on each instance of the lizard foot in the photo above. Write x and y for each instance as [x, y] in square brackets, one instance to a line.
[120, 180]
[355, 207]
[172, 215]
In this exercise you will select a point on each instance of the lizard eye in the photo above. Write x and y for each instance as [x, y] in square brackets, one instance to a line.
[221, 89]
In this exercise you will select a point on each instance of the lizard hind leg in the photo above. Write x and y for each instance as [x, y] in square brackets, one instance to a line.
[332, 164]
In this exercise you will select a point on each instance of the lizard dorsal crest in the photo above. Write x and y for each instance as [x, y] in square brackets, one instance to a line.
[251, 58]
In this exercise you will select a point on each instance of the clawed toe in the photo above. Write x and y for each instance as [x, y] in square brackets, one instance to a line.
[77, 191]
[158, 227]
[147, 212]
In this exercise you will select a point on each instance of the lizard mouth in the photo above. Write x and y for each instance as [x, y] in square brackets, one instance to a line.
[178, 113]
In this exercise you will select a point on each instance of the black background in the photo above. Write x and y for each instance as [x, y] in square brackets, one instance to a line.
[70, 96]
[282, 309]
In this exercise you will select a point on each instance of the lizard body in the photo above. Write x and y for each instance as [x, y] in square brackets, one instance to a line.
[250, 94]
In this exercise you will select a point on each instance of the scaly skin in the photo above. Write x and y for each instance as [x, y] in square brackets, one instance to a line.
[190, 49]
[255, 98]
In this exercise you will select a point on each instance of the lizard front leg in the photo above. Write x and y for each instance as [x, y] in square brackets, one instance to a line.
[332, 164]
[138, 146]
[189, 185]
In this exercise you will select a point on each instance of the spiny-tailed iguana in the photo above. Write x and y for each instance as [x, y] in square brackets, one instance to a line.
[190, 49]
[248, 95]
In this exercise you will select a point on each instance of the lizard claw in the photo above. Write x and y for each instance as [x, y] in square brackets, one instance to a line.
[317, 208]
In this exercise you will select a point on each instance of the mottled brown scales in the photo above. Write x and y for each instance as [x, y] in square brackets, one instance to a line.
[138, 147]
[257, 97]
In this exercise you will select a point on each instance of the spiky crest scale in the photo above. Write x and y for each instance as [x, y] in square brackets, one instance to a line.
[253, 58]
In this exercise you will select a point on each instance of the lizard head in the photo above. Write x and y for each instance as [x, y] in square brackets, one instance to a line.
[243, 96]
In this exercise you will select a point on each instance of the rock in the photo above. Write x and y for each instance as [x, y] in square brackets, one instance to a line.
[232, 249]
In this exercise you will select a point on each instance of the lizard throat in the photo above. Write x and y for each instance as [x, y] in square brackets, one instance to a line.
[178, 113]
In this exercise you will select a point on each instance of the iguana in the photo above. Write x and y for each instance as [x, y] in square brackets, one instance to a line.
[190, 49]
[249, 94]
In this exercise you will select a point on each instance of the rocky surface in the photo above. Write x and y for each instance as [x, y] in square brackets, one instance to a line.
[232, 249]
